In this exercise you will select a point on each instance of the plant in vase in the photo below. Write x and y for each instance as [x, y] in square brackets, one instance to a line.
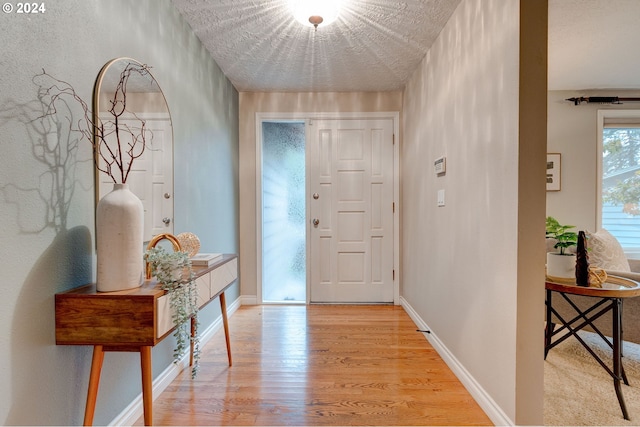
[116, 145]
[173, 272]
[561, 264]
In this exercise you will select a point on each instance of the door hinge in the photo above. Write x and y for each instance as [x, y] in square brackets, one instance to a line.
[394, 139]
[394, 274]
[393, 207]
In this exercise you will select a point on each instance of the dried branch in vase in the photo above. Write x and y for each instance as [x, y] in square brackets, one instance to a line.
[118, 138]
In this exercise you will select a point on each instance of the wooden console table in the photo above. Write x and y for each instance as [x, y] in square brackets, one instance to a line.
[134, 321]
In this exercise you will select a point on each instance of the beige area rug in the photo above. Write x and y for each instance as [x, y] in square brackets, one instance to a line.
[577, 391]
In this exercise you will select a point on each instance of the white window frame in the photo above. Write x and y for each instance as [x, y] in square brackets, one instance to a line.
[604, 115]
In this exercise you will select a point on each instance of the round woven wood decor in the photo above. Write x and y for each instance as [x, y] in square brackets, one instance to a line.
[189, 242]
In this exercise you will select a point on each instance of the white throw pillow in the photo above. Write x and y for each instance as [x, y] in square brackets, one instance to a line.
[605, 251]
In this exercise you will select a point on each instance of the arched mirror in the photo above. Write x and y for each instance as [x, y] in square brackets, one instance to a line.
[133, 140]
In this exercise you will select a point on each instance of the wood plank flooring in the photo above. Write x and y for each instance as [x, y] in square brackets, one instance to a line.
[319, 365]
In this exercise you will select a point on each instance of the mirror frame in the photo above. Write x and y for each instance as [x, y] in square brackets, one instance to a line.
[96, 119]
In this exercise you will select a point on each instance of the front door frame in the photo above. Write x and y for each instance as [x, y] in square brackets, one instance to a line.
[297, 117]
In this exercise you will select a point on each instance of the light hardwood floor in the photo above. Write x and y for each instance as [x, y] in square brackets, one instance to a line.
[319, 365]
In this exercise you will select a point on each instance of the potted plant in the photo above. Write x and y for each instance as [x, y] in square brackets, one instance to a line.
[561, 264]
[173, 272]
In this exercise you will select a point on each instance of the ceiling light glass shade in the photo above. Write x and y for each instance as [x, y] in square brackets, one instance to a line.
[303, 10]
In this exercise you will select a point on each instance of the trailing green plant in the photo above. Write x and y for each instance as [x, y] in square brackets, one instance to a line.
[173, 272]
[564, 238]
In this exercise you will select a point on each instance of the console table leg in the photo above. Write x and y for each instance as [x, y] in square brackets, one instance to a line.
[94, 382]
[225, 321]
[147, 387]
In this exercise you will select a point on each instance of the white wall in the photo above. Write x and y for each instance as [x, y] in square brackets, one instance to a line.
[463, 264]
[47, 208]
[572, 132]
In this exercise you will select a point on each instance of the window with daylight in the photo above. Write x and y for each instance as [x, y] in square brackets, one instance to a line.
[619, 177]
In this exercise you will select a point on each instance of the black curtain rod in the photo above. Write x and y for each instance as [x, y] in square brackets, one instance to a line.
[601, 100]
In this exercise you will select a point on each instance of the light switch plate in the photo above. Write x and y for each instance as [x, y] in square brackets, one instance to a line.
[440, 198]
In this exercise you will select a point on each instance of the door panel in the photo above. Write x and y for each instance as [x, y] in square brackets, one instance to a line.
[351, 247]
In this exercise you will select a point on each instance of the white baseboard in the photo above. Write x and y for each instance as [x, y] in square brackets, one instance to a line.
[488, 405]
[135, 409]
[249, 299]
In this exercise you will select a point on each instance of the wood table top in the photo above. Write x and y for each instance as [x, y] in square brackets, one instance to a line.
[613, 287]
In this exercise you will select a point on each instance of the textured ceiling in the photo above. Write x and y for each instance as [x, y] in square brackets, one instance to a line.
[593, 44]
[376, 45]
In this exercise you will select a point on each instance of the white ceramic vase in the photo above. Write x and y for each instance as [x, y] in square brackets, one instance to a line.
[561, 266]
[119, 234]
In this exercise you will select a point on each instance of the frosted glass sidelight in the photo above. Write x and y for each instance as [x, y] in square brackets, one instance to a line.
[283, 212]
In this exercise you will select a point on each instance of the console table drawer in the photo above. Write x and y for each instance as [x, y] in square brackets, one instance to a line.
[165, 321]
[222, 276]
[203, 284]
[210, 282]
[86, 317]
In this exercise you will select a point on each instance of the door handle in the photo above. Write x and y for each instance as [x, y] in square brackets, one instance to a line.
[316, 221]
[166, 220]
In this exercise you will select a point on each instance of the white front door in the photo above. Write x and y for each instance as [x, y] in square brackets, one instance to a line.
[351, 210]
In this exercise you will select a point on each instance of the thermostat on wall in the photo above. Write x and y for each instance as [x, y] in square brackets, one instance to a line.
[440, 165]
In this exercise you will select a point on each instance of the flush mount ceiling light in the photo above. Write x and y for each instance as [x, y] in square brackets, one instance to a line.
[313, 13]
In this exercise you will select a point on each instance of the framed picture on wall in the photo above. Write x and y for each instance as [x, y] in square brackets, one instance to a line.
[553, 171]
